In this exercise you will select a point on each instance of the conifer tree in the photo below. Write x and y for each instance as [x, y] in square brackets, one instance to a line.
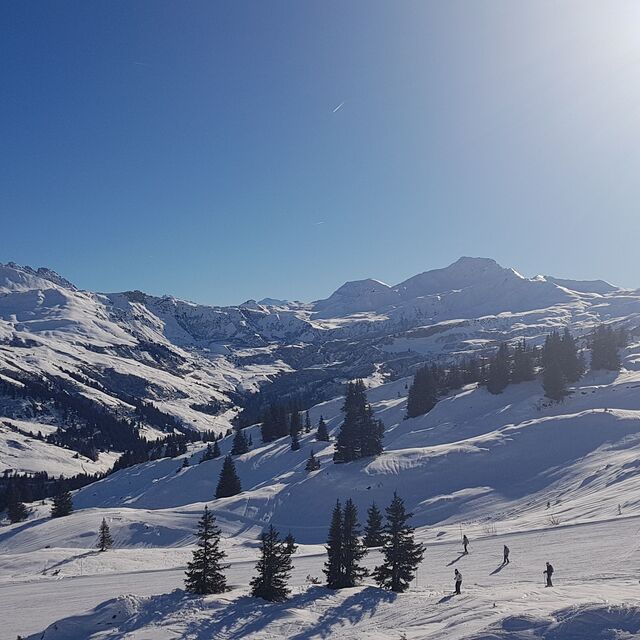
[290, 543]
[523, 369]
[572, 364]
[307, 422]
[322, 434]
[554, 381]
[105, 541]
[295, 424]
[313, 464]
[211, 452]
[240, 444]
[360, 434]
[16, 510]
[295, 442]
[352, 549]
[402, 554]
[499, 370]
[273, 568]
[373, 531]
[333, 565]
[62, 505]
[229, 482]
[205, 572]
[604, 349]
[423, 393]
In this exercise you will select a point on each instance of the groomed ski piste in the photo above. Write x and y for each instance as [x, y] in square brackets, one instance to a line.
[555, 482]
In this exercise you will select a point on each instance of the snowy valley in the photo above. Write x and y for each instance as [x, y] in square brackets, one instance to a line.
[556, 481]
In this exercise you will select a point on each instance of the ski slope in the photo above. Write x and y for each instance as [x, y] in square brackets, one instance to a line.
[555, 482]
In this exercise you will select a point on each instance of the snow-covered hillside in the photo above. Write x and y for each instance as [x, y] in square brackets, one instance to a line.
[553, 481]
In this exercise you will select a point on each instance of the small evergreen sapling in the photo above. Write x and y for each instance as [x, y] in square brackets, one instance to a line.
[105, 541]
[313, 464]
[205, 572]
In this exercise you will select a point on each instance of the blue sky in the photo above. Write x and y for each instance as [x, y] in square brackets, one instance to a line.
[194, 148]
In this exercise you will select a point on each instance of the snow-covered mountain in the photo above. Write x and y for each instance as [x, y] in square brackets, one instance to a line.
[554, 481]
[202, 363]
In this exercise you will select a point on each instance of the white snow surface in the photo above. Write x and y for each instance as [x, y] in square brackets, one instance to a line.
[486, 465]
[556, 482]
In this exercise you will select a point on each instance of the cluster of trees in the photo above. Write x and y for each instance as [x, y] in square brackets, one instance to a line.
[205, 572]
[279, 421]
[605, 343]
[562, 364]
[345, 547]
[432, 380]
[559, 361]
[360, 435]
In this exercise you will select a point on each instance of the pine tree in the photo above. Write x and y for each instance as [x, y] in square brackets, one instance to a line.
[16, 510]
[423, 393]
[333, 565]
[290, 543]
[313, 464]
[402, 554]
[554, 381]
[499, 370]
[352, 549]
[322, 434]
[572, 364]
[211, 453]
[373, 531]
[205, 572]
[62, 505]
[307, 422]
[240, 444]
[295, 442]
[360, 434]
[229, 482]
[295, 424]
[604, 349]
[273, 568]
[523, 369]
[105, 541]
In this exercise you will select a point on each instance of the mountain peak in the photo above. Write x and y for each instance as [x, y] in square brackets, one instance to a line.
[17, 277]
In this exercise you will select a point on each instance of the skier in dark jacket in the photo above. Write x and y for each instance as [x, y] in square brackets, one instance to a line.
[505, 559]
[548, 572]
[465, 543]
[458, 579]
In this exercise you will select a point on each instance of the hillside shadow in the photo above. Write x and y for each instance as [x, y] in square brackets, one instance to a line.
[56, 567]
[247, 616]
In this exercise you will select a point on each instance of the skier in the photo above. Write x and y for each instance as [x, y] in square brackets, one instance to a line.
[505, 559]
[458, 579]
[548, 572]
[465, 543]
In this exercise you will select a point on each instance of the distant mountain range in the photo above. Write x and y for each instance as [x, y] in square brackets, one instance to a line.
[180, 355]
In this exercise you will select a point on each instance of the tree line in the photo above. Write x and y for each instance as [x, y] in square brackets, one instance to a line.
[345, 547]
[558, 363]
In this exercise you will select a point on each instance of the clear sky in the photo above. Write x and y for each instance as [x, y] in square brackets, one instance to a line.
[225, 150]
